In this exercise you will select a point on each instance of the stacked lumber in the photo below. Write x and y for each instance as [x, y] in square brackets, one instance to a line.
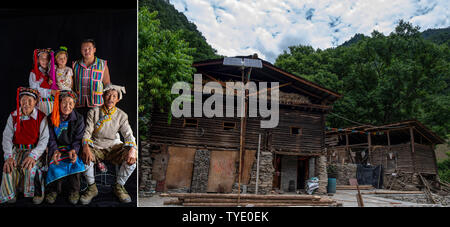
[354, 187]
[230, 200]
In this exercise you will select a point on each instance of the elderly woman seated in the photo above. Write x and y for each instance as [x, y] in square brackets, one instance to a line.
[102, 142]
[66, 130]
[25, 139]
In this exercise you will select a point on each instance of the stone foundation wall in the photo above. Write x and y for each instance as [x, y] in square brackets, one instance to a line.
[266, 171]
[321, 173]
[345, 172]
[201, 169]
[146, 185]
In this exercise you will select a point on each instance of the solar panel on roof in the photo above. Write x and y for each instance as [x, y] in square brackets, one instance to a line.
[255, 63]
[246, 62]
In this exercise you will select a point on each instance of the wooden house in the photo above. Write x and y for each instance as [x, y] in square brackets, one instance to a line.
[203, 154]
[403, 148]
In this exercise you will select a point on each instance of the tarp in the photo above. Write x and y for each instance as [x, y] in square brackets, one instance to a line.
[370, 175]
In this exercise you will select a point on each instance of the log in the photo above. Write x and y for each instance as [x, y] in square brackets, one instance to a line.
[173, 202]
[354, 187]
[255, 204]
[393, 192]
[215, 200]
[244, 196]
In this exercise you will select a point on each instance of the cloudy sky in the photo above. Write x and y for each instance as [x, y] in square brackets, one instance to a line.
[267, 27]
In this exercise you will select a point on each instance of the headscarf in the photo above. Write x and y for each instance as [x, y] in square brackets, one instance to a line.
[60, 95]
[120, 89]
[39, 74]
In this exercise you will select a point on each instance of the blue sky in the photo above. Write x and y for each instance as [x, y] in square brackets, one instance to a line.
[267, 27]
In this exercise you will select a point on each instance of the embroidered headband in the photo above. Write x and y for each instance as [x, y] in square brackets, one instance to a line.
[67, 93]
[21, 91]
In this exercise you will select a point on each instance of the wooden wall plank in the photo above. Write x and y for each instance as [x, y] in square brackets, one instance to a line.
[222, 171]
[180, 166]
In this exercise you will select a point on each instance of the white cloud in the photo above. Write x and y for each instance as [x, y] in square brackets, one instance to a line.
[267, 27]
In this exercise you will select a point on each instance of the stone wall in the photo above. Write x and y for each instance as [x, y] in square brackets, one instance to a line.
[201, 169]
[146, 185]
[321, 172]
[345, 172]
[266, 171]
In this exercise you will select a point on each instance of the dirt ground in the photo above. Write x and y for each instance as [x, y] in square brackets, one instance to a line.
[346, 197]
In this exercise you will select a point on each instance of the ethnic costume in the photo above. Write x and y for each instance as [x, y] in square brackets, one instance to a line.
[65, 135]
[39, 79]
[24, 136]
[88, 82]
[63, 75]
[102, 135]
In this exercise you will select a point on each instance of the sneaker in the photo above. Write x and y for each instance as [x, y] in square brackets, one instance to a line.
[90, 193]
[38, 199]
[121, 193]
[74, 197]
[51, 197]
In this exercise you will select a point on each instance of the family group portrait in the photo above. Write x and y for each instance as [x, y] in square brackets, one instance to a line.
[69, 119]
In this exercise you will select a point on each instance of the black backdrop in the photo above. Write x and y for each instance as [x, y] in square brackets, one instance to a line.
[113, 29]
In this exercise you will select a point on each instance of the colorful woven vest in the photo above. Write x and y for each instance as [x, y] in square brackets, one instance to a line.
[95, 84]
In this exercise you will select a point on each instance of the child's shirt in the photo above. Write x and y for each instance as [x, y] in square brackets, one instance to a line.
[64, 78]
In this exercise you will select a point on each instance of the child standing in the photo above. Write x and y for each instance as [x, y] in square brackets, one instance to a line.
[39, 78]
[63, 73]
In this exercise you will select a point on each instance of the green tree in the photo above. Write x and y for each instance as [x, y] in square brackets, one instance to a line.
[164, 59]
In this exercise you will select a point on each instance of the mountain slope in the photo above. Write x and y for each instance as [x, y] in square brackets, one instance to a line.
[173, 20]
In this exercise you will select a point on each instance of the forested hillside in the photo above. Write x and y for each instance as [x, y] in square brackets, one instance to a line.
[175, 21]
[383, 78]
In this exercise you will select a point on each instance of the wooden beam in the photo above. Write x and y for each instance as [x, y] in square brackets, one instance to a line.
[302, 80]
[268, 89]
[423, 135]
[297, 154]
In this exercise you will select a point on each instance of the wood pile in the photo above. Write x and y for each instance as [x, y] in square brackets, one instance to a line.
[247, 200]
[354, 187]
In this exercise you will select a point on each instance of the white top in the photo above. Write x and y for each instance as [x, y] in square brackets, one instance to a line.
[8, 135]
[64, 78]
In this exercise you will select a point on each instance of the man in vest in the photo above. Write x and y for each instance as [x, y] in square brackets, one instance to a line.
[25, 139]
[90, 75]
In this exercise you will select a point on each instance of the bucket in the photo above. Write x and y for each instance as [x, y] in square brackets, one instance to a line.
[331, 185]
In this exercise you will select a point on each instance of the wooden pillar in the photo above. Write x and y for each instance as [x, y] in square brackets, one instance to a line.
[413, 153]
[389, 145]
[369, 144]
[346, 147]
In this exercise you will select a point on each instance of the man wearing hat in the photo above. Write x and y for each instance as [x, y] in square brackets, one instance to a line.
[101, 141]
[25, 139]
[66, 130]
